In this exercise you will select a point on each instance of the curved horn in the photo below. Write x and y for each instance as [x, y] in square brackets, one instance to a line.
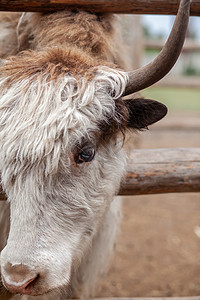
[162, 64]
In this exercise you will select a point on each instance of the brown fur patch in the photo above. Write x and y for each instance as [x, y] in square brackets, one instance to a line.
[66, 42]
[114, 125]
[89, 32]
[51, 63]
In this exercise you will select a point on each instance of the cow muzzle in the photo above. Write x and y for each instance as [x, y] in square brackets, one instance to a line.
[20, 279]
[34, 275]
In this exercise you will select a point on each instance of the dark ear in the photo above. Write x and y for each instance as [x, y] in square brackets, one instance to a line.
[144, 112]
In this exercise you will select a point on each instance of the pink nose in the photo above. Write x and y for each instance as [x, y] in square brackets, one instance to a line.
[19, 279]
[25, 288]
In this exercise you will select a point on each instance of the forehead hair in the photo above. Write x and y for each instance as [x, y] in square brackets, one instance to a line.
[41, 118]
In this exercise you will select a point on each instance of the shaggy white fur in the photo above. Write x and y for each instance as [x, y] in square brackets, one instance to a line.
[41, 118]
[60, 211]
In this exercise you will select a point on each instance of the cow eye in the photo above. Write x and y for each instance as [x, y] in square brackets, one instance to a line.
[85, 155]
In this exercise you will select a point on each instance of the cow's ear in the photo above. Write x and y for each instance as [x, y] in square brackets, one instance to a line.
[144, 112]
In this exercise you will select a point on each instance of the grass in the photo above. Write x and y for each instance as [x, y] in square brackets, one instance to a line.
[175, 98]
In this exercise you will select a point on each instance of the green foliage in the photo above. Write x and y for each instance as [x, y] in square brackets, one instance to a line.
[191, 71]
[152, 52]
[175, 98]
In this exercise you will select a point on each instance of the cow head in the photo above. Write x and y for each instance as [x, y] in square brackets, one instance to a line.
[61, 158]
[61, 163]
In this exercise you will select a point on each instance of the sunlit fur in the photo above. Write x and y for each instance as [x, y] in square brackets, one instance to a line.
[63, 219]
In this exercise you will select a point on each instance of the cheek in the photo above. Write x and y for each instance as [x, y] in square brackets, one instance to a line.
[70, 159]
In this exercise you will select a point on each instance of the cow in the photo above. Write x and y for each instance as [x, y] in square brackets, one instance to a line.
[64, 113]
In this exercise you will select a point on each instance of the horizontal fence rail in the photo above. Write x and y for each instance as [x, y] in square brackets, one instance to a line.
[180, 81]
[189, 45]
[106, 6]
[149, 298]
[156, 171]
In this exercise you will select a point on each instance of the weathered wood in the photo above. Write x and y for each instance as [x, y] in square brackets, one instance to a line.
[108, 6]
[160, 171]
[180, 81]
[187, 121]
[189, 45]
[149, 298]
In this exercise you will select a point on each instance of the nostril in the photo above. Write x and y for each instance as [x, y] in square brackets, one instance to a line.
[30, 285]
[25, 288]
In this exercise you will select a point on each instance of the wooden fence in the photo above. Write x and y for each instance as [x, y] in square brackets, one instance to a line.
[109, 6]
[156, 171]
[189, 45]
[150, 171]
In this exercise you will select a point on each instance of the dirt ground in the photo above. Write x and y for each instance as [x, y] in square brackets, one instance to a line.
[158, 249]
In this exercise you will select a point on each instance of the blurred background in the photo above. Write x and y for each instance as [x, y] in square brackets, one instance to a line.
[146, 36]
[184, 80]
[158, 249]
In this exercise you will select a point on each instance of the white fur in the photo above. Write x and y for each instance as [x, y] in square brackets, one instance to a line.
[62, 224]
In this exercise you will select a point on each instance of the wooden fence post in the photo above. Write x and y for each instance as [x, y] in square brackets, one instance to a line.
[107, 6]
